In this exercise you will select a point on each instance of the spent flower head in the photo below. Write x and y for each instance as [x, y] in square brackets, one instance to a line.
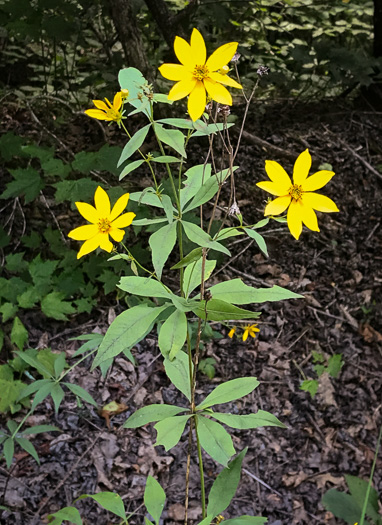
[107, 110]
[298, 195]
[196, 75]
[104, 222]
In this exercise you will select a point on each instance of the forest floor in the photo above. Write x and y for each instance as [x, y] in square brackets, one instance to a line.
[339, 272]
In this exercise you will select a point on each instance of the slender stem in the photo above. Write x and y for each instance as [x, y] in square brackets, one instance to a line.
[22, 422]
[201, 470]
[371, 478]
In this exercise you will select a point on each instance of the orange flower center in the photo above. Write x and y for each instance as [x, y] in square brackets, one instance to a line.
[296, 192]
[200, 72]
[104, 225]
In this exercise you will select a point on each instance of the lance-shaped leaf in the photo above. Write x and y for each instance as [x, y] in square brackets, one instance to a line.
[81, 392]
[178, 372]
[162, 243]
[109, 501]
[215, 440]
[151, 414]
[193, 275]
[259, 240]
[177, 122]
[38, 429]
[143, 286]
[204, 194]
[195, 177]
[217, 310]
[147, 196]
[172, 137]
[165, 159]
[69, 514]
[127, 329]
[154, 498]
[134, 143]
[191, 257]
[173, 333]
[200, 237]
[229, 391]
[28, 447]
[247, 520]
[170, 431]
[203, 129]
[130, 167]
[236, 292]
[225, 486]
[247, 421]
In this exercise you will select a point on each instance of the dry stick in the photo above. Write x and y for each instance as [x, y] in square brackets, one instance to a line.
[260, 481]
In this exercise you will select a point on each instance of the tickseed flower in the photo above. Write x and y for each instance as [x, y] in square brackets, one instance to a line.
[298, 195]
[231, 333]
[250, 329]
[108, 111]
[196, 74]
[104, 222]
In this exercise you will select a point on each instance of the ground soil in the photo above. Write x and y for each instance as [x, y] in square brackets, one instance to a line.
[338, 270]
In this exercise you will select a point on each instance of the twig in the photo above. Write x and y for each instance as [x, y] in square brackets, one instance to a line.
[261, 482]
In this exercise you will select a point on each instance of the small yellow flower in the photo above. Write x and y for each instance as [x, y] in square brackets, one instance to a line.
[108, 111]
[124, 94]
[231, 333]
[251, 330]
[298, 195]
[196, 74]
[104, 222]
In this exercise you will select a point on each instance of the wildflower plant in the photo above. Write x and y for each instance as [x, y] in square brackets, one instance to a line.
[182, 297]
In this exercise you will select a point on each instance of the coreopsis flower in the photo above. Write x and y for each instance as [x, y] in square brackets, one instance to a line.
[297, 195]
[196, 75]
[250, 329]
[104, 222]
[108, 111]
[231, 333]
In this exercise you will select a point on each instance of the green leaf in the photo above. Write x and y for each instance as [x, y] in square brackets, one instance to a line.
[38, 429]
[177, 122]
[28, 447]
[178, 372]
[8, 310]
[259, 240]
[204, 194]
[144, 286]
[75, 190]
[335, 364]
[247, 421]
[19, 334]
[151, 413]
[11, 391]
[134, 144]
[29, 356]
[246, 520]
[127, 329]
[193, 275]
[26, 182]
[172, 137]
[221, 311]
[70, 514]
[109, 501]
[81, 392]
[200, 237]
[358, 489]
[207, 367]
[203, 129]
[229, 391]
[173, 334]
[170, 431]
[193, 256]
[8, 451]
[33, 387]
[168, 207]
[236, 292]
[132, 79]
[261, 223]
[154, 498]
[131, 167]
[145, 222]
[215, 440]
[225, 486]
[195, 177]
[54, 306]
[29, 298]
[57, 395]
[147, 196]
[311, 386]
[42, 393]
[226, 233]
[343, 506]
[165, 159]
[162, 243]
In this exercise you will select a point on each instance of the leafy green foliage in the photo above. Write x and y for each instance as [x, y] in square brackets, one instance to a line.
[154, 498]
[333, 367]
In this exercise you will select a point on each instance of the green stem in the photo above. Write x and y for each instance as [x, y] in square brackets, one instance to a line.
[22, 422]
[371, 478]
[201, 470]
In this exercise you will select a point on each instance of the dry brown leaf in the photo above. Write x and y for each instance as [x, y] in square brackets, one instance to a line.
[325, 390]
[322, 479]
[370, 334]
[294, 479]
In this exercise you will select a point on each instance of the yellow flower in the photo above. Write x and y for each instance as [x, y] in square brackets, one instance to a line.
[232, 332]
[251, 330]
[104, 222]
[298, 195]
[124, 94]
[108, 111]
[195, 75]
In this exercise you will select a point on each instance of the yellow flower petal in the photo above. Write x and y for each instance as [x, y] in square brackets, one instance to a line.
[232, 332]
[105, 243]
[274, 188]
[198, 48]
[309, 218]
[182, 89]
[294, 219]
[221, 56]
[320, 202]
[174, 71]
[278, 205]
[117, 102]
[218, 92]
[100, 104]
[317, 181]
[301, 167]
[277, 173]
[197, 101]
[183, 52]
[116, 234]
[88, 212]
[123, 221]
[225, 79]
[245, 335]
[83, 233]
[119, 206]
[102, 203]
[96, 113]
[90, 245]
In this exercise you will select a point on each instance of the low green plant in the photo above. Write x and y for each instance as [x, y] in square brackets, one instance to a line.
[331, 366]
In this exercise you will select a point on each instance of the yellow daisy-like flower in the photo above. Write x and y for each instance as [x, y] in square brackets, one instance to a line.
[298, 195]
[108, 111]
[196, 74]
[104, 222]
[251, 330]
[231, 333]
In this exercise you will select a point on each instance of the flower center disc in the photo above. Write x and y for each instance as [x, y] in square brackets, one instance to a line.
[104, 225]
[295, 192]
[200, 72]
